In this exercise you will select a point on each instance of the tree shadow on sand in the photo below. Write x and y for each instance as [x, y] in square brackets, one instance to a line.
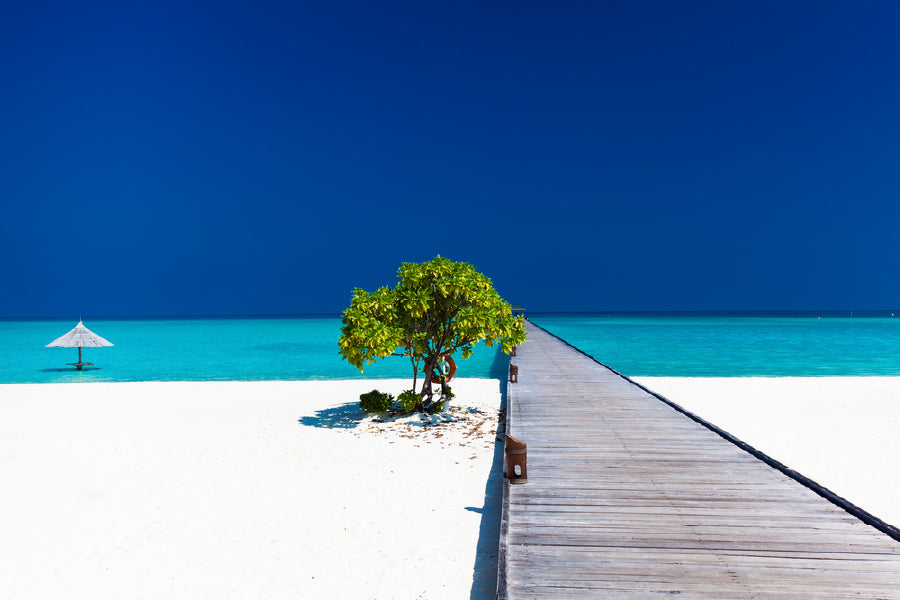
[345, 416]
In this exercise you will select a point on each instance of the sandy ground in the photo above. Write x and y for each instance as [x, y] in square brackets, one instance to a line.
[244, 490]
[286, 490]
[842, 432]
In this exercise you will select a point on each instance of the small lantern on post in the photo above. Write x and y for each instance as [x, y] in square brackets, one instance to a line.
[516, 460]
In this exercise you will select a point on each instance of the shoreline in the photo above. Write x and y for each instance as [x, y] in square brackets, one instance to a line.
[398, 382]
[244, 489]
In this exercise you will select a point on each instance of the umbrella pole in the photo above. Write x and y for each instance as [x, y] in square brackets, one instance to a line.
[78, 366]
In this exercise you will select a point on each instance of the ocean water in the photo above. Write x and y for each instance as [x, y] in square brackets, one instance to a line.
[305, 348]
[735, 345]
[207, 349]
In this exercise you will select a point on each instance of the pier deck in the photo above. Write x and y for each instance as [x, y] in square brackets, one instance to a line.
[627, 497]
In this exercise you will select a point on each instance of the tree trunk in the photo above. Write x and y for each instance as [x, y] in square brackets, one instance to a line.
[427, 391]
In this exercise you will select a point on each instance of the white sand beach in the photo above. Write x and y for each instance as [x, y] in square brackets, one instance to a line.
[244, 490]
[842, 432]
[281, 490]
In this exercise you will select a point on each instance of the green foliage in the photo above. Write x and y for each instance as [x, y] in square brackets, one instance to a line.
[375, 401]
[438, 307]
[409, 399]
[453, 307]
[371, 329]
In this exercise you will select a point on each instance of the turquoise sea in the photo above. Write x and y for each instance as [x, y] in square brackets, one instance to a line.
[305, 348]
[736, 344]
[202, 349]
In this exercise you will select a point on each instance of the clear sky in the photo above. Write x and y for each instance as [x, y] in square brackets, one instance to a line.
[268, 157]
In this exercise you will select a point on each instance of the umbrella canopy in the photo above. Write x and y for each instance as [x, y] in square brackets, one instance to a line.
[80, 337]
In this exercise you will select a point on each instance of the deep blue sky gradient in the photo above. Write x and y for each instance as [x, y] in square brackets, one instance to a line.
[266, 158]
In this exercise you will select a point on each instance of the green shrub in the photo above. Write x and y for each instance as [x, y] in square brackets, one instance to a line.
[375, 401]
[409, 399]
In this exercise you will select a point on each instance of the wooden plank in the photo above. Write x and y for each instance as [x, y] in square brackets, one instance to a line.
[629, 496]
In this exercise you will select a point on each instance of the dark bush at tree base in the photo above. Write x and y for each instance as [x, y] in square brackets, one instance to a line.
[409, 399]
[375, 401]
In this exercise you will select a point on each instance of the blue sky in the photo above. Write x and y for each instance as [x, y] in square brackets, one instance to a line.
[265, 158]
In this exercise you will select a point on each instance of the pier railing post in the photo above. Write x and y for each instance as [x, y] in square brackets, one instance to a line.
[516, 460]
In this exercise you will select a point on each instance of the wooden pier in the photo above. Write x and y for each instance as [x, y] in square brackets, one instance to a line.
[629, 498]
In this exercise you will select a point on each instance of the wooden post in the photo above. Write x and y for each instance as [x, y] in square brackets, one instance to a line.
[516, 456]
[513, 373]
[79, 365]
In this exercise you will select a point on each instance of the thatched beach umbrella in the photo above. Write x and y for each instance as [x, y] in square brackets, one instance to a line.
[80, 337]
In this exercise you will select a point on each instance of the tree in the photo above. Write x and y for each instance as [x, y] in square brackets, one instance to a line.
[437, 308]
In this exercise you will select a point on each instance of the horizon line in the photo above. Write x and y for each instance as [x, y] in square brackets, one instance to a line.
[725, 311]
